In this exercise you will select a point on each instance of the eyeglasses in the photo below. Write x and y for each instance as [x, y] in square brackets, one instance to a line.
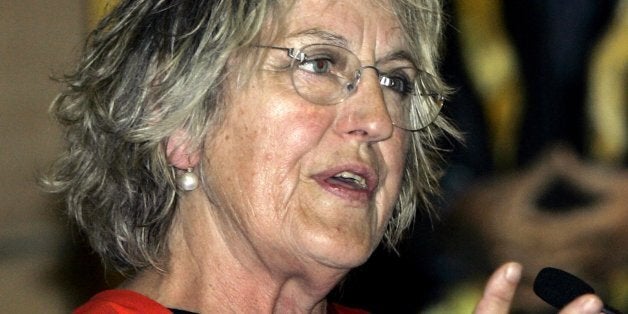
[327, 75]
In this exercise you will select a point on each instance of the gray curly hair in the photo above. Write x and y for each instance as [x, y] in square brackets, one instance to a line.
[152, 67]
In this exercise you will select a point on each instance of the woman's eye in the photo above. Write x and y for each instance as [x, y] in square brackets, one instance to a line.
[317, 65]
[399, 84]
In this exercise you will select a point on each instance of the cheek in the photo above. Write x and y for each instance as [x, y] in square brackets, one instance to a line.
[283, 134]
[262, 145]
[394, 152]
[395, 162]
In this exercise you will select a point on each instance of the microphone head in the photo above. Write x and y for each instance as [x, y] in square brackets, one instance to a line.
[558, 287]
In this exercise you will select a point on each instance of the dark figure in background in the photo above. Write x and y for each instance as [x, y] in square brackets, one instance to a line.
[553, 41]
[553, 203]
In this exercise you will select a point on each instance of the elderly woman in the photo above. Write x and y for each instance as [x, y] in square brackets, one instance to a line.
[244, 156]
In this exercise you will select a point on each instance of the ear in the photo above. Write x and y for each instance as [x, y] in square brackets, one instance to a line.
[179, 153]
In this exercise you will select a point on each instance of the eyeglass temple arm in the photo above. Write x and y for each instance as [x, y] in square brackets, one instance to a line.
[292, 52]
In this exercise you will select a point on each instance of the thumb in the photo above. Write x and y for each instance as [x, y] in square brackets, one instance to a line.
[500, 290]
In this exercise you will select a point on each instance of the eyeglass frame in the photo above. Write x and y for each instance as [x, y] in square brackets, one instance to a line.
[297, 54]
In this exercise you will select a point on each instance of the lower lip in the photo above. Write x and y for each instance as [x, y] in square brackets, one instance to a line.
[361, 196]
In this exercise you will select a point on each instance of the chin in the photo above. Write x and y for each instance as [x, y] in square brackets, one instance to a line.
[341, 252]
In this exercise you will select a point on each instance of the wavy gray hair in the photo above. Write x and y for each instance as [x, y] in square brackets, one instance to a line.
[153, 67]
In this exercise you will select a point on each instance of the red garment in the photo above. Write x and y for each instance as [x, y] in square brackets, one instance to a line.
[121, 302]
[333, 308]
[130, 302]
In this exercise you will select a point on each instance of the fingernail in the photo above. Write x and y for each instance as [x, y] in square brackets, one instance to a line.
[592, 305]
[513, 273]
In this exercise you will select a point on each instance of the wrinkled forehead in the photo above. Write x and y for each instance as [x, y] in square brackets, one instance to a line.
[367, 27]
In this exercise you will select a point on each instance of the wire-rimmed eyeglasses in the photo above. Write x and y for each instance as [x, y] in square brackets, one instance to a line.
[327, 75]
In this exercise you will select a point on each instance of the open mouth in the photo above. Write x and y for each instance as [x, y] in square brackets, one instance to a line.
[349, 180]
[355, 183]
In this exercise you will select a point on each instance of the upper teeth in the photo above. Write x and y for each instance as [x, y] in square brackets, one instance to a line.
[359, 180]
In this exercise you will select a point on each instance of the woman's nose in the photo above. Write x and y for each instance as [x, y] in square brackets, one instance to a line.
[364, 113]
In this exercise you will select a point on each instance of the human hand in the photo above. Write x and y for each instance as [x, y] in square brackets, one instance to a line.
[500, 290]
[586, 236]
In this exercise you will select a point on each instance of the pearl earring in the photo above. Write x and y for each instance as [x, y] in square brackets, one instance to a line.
[188, 181]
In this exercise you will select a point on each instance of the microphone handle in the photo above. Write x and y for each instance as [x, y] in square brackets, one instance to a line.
[609, 310]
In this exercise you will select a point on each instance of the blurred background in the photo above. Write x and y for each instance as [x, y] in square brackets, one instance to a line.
[44, 268]
[542, 95]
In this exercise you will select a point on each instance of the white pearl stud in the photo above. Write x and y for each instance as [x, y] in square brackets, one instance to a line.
[187, 181]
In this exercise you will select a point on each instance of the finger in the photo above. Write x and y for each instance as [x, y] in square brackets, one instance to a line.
[500, 289]
[585, 304]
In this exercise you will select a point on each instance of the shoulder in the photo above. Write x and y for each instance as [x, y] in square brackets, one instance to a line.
[120, 302]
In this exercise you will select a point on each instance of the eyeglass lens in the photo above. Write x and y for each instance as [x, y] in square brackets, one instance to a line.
[329, 74]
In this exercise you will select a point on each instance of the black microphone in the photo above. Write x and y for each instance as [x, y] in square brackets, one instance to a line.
[558, 287]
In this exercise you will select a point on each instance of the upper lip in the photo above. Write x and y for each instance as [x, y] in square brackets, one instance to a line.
[368, 173]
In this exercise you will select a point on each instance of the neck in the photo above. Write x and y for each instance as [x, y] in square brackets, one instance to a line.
[211, 271]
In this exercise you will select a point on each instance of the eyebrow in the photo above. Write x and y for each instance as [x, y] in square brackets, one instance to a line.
[399, 55]
[322, 36]
[325, 36]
